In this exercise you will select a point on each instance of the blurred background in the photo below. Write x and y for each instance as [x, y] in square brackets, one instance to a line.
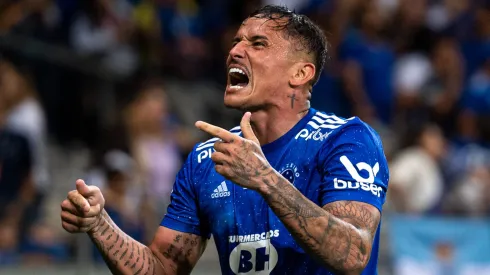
[109, 90]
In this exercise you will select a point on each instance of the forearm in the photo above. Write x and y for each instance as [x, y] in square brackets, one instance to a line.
[123, 254]
[335, 243]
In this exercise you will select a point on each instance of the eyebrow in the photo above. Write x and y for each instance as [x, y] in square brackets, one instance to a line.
[253, 38]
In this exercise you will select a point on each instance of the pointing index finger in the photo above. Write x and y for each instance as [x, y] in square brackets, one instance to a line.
[215, 131]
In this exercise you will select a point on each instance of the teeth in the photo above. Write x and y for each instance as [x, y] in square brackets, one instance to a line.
[236, 87]
[237, 70]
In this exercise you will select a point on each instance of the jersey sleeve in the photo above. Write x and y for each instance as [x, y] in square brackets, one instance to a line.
[354, 167]
[183, 211]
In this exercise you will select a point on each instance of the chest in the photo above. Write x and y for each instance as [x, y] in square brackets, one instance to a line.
[243, 215]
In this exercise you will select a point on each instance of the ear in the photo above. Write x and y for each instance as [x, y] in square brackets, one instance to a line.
[302, 73]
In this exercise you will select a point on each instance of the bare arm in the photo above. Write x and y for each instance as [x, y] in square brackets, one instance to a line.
[339, 235]
[171, 252]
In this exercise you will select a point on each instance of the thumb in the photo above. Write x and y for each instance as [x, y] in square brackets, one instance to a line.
[246, 128]
[82, 188]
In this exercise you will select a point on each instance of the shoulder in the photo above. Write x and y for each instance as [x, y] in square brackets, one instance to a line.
[329, 130]
[353, 131]
[352, 138]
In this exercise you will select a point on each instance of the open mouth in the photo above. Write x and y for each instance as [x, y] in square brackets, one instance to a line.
[238, 78]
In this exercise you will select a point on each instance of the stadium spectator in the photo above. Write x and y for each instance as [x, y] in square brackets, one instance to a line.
[104, 29]
[477, 45]
[416, 183]
[24, 115]
[400, 63]
[429, 87]
[471, 194]
[124, 198]
[407, 30]
[368, 66]
[155, 145]
[17, 187]
[40, 19]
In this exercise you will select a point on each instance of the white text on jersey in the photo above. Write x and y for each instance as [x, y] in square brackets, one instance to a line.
[315, 135]
[253, 237]
[320, 122]
[342, 184]
[221, 191]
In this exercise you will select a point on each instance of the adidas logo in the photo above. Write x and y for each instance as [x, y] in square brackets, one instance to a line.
[221, 191]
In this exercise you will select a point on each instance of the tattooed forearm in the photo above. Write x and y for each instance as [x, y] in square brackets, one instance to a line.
[124, 255]
[339, 235]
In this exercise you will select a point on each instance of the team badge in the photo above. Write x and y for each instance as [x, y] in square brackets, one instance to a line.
[290, 172]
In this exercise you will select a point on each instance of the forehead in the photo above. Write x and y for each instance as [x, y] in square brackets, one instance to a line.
[262, 27]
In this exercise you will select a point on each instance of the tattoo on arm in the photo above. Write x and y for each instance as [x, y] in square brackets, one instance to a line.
[339, 235]
[124, 255]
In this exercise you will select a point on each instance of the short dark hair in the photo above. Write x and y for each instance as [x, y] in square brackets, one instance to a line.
[310, 36]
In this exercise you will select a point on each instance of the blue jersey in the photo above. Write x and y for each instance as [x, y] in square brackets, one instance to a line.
[325, 157]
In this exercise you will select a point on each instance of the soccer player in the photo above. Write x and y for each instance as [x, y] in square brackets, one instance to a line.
[291, 191]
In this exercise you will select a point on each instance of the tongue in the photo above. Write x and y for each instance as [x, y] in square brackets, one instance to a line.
[239, 80]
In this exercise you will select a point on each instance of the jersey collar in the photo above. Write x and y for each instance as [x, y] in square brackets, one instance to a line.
[284, 139]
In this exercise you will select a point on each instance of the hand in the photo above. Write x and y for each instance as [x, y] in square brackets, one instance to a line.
[238, 159]
[81, 210]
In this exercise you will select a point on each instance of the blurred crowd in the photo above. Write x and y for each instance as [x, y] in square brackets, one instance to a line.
[138, 73]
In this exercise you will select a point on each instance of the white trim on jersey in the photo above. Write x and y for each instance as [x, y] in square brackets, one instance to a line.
[328, 120]
[320, 120]
[327, 126]
[210, 142]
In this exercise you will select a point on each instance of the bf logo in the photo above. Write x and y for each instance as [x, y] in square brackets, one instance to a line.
[253, 258]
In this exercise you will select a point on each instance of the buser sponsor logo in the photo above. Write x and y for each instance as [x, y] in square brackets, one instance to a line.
[366, 184]
[372, 171]
[373, 188]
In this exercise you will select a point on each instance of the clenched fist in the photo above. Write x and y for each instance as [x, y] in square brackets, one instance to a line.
[81, 210]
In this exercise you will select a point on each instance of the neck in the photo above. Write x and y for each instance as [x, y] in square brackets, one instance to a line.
[270, 124]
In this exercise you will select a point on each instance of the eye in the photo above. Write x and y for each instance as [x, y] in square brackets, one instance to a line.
[258, 44]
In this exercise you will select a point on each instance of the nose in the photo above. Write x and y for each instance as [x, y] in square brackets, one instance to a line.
[238, 51]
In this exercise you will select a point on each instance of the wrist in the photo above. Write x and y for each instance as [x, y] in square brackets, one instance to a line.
[269, 182]
[100, 223]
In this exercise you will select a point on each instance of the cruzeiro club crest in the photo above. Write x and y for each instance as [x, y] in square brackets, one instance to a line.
[290, 172]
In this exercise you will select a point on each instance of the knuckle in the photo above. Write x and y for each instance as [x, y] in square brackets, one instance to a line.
[217, 168]
[218, 145]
